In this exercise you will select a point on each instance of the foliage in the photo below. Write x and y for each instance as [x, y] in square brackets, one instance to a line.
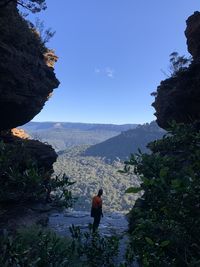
[35, 246]
[24, 37]
[39, 27]
[22, 180]
[20, 177]
[178, 63]
[165, 222]
[133, 190]
[176, 98]
[93, 249]
[45, 34]
[62, 195]
[32, 5]
[92, 173]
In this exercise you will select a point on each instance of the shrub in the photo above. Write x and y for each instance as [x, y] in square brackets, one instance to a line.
[20, 177]
[93, 249]
[34, 246]
[62, 195]
[165, 222]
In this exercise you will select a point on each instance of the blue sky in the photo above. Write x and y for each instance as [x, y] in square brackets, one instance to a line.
[111, 56]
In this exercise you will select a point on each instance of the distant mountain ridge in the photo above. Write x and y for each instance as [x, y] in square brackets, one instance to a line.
[31, 126]
[122, 145]
[62, 135]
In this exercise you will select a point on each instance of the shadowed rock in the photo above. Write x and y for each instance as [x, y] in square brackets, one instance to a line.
[178, 97]
[192, 34]
[43, 154]
[26, 66]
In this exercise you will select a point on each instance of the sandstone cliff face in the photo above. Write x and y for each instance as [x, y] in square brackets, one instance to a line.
[20, 133]
[26, 70]
[192, 34]
[42, 154]
[27, 80]
[178, 97]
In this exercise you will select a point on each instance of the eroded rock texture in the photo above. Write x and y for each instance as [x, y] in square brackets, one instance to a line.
[42, 154]
[20, 133]
[192, 34]
[27, 79]
[26, 70]
[178, 97]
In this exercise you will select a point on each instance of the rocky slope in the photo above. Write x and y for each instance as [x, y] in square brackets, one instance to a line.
[121, 146]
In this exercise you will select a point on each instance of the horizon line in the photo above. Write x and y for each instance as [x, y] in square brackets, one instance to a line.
[73, 122]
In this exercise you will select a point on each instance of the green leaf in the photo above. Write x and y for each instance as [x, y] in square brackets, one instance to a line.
[176, 183]
[127, 168]
[164, 243]
[149, 241]
[164, 172]
[121, 171]
[133, 190]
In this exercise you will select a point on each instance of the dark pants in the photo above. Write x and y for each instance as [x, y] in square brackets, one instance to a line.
[96, 222]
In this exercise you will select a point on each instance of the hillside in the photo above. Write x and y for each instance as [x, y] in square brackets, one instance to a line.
[92, 173]
[121, 146]
[62, 135]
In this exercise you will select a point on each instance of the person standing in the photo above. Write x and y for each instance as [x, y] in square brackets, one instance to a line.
[96, 210]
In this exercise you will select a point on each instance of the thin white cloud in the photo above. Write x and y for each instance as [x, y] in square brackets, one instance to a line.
[97, 70]
[107, 71]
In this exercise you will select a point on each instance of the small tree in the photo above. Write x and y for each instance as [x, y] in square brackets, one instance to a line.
[45, 34]
[178, 63]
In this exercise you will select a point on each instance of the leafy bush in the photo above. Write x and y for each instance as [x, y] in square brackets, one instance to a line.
[34, 247]
[37, 247]
[165, 222]
[22, 180]
[20, 177]
[62, 195]
[94, 250]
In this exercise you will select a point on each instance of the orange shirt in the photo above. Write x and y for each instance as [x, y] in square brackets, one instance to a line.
[97, 202]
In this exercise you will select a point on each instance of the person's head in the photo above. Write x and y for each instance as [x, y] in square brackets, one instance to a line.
[100, 193]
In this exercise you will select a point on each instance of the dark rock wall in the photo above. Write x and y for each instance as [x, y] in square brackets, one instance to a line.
[27, 80]
[178, 97]
[26, 71]
[41, 153]
[192, 34]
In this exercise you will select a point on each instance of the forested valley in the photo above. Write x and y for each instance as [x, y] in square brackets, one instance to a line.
[150, 173]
